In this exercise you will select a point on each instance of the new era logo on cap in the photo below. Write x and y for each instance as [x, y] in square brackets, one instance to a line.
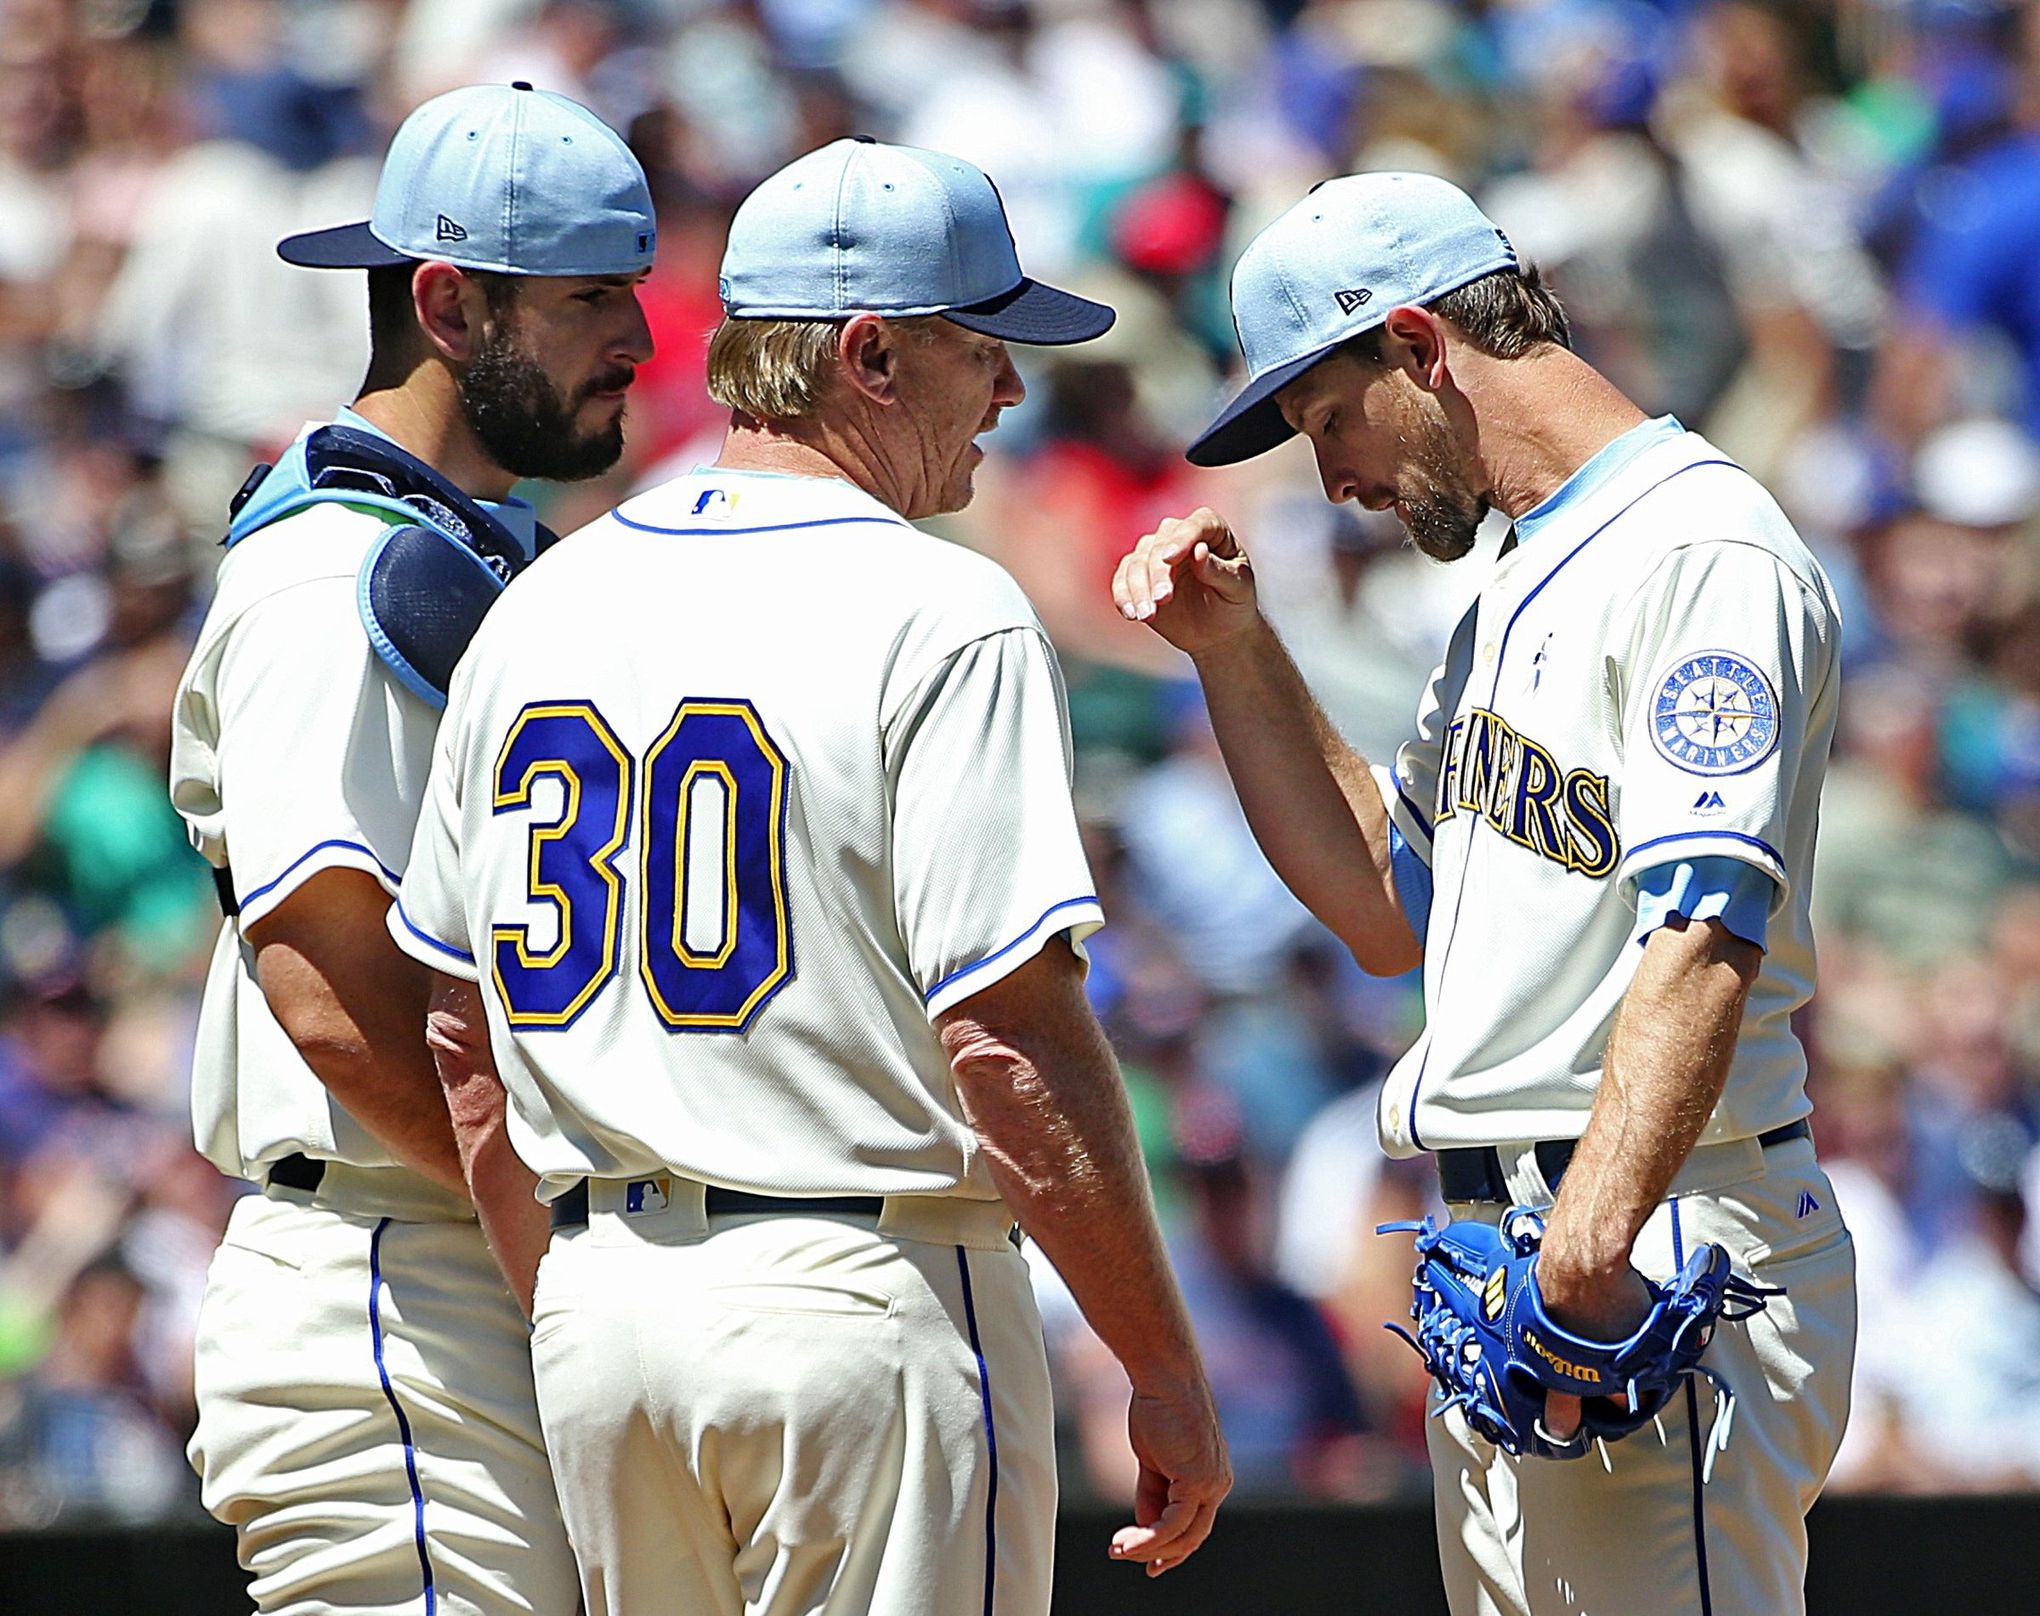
[448, 230]
[1334, 266]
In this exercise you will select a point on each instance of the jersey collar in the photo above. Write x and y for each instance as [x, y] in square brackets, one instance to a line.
[1611, 459]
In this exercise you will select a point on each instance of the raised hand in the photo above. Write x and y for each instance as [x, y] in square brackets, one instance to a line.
[1190, 581]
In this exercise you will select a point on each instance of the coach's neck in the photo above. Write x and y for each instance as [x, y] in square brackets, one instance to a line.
[1537, 420]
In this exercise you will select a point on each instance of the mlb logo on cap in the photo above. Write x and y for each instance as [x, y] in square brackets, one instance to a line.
[503, 178]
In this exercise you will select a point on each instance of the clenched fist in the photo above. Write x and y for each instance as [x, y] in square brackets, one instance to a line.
[1189, 581]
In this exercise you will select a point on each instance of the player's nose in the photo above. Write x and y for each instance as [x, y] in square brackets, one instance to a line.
[1008, 389]
[1339, 484]
[634, 344]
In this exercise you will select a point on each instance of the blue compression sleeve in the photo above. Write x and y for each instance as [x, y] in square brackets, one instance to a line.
[1412, 882]
[1715, 888]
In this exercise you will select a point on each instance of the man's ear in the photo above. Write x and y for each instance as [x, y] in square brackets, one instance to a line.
[868, 350]
[452, 311]
[1417, 342]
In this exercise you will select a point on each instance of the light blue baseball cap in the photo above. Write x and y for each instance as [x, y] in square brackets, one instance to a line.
[859, 227]
[1332, 267]
[500, 177]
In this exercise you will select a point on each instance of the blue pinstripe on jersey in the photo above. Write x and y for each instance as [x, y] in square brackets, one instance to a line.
[1501, 661]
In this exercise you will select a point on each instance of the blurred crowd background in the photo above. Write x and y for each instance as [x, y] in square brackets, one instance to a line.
[1810, 230]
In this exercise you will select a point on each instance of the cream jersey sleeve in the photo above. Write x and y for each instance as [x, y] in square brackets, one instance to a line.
[987, 860]
[295, 752]
[1728, 681]
[429, 919]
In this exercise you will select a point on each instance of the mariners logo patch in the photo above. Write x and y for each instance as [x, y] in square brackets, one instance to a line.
[1714, 714]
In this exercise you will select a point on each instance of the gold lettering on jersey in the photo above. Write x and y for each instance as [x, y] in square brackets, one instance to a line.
[1514, 783]
[1565, 1366]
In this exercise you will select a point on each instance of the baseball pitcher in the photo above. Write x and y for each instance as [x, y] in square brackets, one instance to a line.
[1597, 845]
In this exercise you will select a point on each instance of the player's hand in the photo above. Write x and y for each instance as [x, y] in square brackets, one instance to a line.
[1184, 1474]
[1604, 1309]
[1190, 581]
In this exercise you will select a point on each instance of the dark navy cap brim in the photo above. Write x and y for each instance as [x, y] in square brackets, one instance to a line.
[1036, 314]
[345, 246]
[1252, 424]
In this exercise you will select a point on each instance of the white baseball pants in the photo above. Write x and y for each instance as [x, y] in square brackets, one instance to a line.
[366, 1418]
[1704, 1513]
[794, 1415]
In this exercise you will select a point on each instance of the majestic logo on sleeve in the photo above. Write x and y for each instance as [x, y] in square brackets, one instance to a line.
[1519, 788]
[1714, 714]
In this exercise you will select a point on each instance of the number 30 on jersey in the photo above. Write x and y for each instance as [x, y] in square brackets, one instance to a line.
[714, 942]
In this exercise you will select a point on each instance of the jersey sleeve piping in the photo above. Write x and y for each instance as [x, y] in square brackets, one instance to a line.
[1728, 843]
[1079, 916]
[415, 941]
[335, 853]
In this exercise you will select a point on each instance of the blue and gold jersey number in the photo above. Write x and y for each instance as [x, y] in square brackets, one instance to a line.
[715, 938]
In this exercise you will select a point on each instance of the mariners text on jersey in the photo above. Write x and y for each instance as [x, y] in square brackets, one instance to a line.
[1651, 677]
[1524, 792]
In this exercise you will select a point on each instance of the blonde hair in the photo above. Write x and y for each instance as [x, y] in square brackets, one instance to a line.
[771, 370]
[778, 370]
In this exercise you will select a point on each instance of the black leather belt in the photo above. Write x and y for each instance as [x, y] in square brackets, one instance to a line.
[570, 1209]
[1476, 1173]
[296, 1172]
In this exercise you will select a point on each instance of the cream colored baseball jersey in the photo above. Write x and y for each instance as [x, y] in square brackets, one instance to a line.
[363, 1466]
[736, 789]
[1651, 677]
[292, 751]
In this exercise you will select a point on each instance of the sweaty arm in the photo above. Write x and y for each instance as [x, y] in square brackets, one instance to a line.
[354, 1007]
[1039, 1084]
[504, 1190]
[1311, 799]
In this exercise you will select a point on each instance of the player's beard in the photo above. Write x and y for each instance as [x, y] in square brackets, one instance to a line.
[1440, 512]
[524, 422]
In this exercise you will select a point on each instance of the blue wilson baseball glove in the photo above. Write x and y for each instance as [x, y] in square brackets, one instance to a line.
[1482, 1331]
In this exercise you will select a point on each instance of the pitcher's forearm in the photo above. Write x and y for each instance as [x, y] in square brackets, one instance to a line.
[516, 1226]
[1667, 1062]
[1309, 797]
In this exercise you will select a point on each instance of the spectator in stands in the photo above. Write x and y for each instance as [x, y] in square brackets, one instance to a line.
[80, 1442]
[1979, 1429]
[1746, 206]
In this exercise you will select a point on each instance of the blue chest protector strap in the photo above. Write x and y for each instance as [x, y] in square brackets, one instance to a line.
[426, 583]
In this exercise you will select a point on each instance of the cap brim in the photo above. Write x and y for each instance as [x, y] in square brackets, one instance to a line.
[1035, 313]
[1252, 424]
[344, 246]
